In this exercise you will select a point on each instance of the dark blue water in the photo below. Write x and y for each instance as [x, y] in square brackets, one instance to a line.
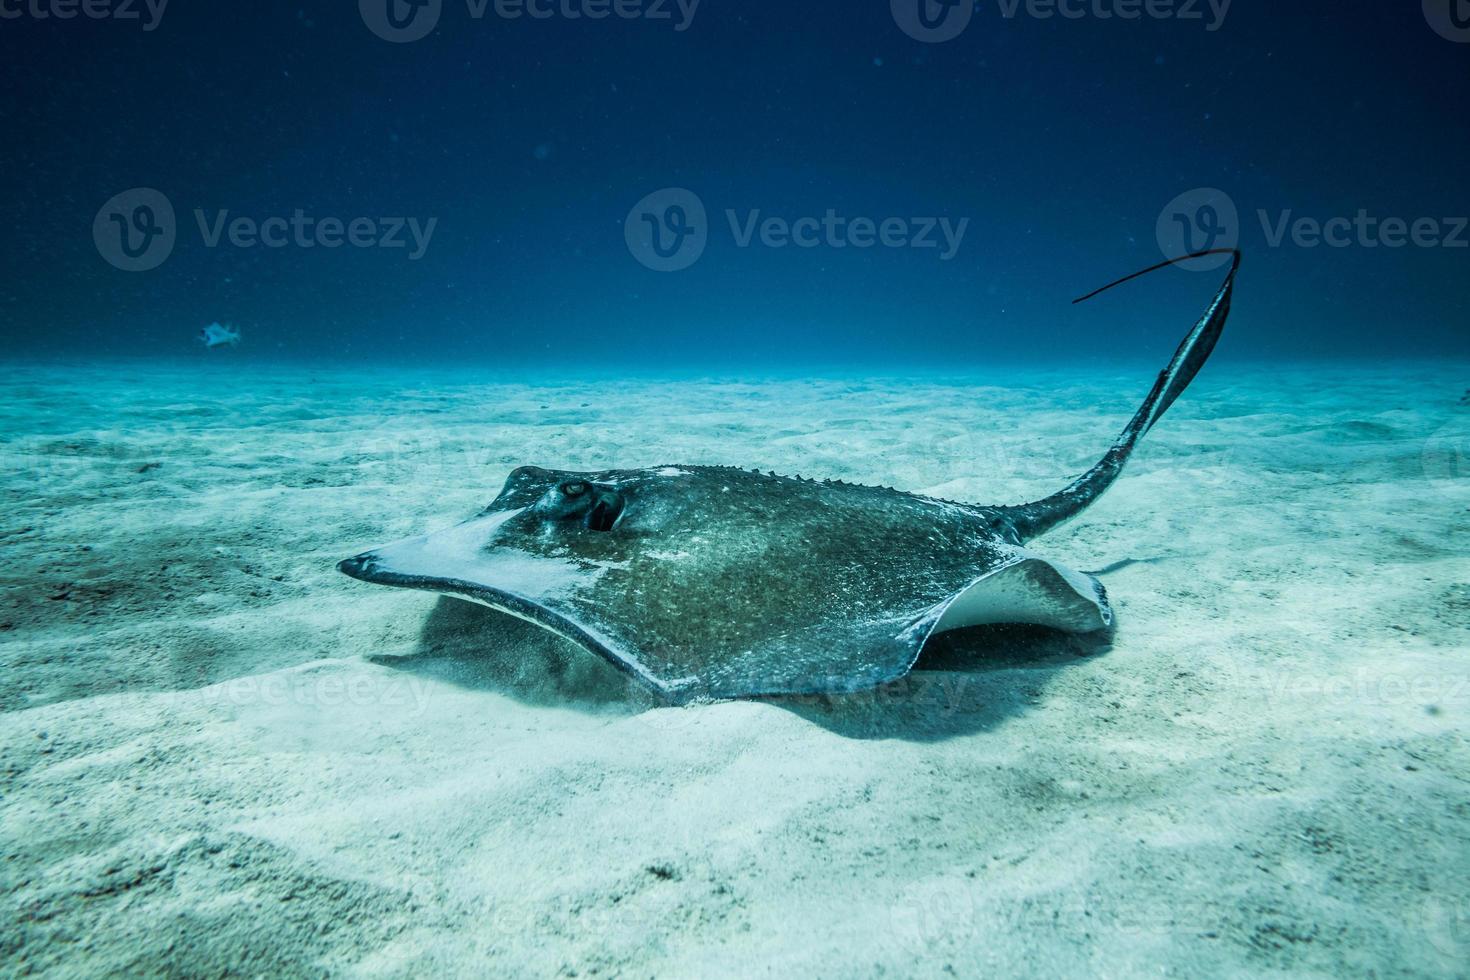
[1060, 152]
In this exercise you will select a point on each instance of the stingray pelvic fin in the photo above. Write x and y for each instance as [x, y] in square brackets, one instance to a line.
[1038, 517]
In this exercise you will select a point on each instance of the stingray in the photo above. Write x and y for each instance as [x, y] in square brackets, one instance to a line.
[710, 582]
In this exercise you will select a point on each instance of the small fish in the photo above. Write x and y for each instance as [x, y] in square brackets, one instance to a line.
[216, 335]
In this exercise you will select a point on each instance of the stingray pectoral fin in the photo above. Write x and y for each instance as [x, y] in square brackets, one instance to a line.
[378, 567]
[1031, 591]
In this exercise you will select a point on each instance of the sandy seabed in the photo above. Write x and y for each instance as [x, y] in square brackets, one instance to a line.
[219, 755]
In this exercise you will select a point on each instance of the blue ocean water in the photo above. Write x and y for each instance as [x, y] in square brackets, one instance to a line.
[845, 183]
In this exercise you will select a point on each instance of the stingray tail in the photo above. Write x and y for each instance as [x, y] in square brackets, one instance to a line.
[1038, 517]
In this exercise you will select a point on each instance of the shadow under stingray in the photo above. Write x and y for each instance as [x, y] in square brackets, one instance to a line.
[965, 681]
[481, 649]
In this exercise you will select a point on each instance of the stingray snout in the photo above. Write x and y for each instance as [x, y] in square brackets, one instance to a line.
[357, 566]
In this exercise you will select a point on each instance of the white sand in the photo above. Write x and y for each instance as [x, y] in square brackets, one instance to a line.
[216, 752]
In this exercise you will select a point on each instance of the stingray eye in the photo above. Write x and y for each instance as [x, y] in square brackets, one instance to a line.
[593, 505]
